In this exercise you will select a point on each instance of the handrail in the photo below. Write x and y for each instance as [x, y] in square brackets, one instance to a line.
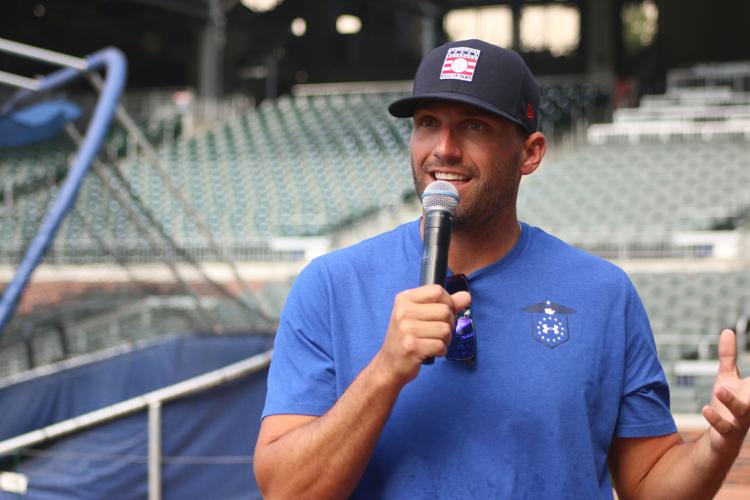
[44, 55]
[115, 64]
[138, 403]
[18, 81]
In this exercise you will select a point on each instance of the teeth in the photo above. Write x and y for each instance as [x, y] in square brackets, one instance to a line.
[445, 176]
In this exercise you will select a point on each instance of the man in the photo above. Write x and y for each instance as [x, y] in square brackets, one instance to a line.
[565, 381]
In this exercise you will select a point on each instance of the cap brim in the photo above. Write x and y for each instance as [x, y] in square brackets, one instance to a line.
[405, 107]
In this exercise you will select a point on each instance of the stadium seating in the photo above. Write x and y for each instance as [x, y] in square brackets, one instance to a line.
[695, 306]
[296, 166]
[306, 165]
[32, 168]
[163, 130]
[688, 310]
[678, 162]
[615, 192]
[563, 105]
[103, 319]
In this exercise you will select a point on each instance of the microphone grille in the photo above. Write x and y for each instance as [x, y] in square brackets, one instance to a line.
[440, 195]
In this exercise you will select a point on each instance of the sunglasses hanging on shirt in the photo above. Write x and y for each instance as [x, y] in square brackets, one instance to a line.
[463, 346]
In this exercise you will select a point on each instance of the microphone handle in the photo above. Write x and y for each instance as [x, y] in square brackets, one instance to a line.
[437, 238]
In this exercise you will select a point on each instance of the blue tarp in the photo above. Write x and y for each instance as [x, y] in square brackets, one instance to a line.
[36, 123]
[207, 438]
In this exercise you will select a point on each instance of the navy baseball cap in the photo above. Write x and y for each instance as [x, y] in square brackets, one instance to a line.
[477, 73]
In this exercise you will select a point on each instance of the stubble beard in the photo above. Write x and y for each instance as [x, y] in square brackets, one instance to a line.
[493, 195]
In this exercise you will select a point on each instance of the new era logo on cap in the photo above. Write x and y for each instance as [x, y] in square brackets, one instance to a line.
[459, 64]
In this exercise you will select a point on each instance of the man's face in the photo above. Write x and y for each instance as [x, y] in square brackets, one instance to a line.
[478, 152]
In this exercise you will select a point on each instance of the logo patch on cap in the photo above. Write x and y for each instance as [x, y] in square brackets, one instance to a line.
[459, 64]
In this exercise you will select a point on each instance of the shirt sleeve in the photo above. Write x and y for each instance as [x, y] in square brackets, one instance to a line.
[644, 408]
[302, 378]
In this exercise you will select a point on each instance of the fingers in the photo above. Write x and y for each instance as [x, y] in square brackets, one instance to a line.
[722, 426]
[429, 312]
[729, 416]
[729, 411]
[421, 326]
[737, 407]
[461, 300]
[428, 294]
[727, 352]
[428, 328]
[424, 305]
[421, 348]
[432, 294]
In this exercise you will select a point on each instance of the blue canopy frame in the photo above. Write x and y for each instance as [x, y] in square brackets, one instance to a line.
[114, 63]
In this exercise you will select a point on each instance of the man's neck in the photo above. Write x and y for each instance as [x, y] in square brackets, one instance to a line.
[473, 248]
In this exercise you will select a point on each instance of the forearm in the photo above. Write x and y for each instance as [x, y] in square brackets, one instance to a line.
[666, 467]
[326, 457]
[308, 457]
[688, 470]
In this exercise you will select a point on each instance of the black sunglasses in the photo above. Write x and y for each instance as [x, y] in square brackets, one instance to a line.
[463, 346]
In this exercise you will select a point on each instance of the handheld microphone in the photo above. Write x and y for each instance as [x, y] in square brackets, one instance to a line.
[439, 200]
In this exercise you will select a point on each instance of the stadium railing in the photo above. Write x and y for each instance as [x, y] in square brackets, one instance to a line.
[151, 403]
[733, 75]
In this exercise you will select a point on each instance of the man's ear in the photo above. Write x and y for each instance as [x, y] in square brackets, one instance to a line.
[534, 148]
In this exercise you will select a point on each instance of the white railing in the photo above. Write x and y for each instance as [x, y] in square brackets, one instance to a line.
[733, 74]
[150, 402]
[707, 345]
[635, 132]
[714, 96]
[659, 242]
[687, 112]
[85, 251]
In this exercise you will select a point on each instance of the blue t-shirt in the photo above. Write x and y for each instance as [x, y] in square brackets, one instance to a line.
[565, 362]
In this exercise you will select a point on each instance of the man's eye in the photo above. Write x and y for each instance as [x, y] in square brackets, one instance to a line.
[475, 125]
[426, 122]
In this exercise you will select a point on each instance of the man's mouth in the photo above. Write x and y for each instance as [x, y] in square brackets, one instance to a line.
[449, 176]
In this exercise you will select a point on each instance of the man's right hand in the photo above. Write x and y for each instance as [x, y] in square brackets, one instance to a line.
[324, 457]
[422, 321]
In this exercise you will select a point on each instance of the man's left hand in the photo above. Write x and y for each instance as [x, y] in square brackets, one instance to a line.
[729, 411]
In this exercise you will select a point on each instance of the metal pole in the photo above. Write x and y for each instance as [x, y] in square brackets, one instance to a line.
[429, 15]
[114, 61]
[208, 319]
[260, 307]
[63, 336]
[18, 81]
[45, 55]
[88, 226]
[741, 331]
[154, 450]
[8, 197]
[211, 67]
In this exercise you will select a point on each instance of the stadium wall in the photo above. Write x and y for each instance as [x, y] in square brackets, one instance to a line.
[207, 438]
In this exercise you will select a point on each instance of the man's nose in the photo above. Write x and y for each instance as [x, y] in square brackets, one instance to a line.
[447, 148]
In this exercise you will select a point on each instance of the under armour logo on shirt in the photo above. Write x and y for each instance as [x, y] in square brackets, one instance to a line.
[549, 323]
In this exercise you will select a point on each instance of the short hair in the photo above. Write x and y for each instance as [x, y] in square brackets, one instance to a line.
[523, 134]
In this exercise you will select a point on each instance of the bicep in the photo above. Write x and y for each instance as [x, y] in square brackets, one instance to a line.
[631, 459]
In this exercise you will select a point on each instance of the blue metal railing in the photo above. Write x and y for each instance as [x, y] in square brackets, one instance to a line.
[114, 63]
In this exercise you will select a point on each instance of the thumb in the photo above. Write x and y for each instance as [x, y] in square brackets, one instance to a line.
[461, 300]
[727, 352]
